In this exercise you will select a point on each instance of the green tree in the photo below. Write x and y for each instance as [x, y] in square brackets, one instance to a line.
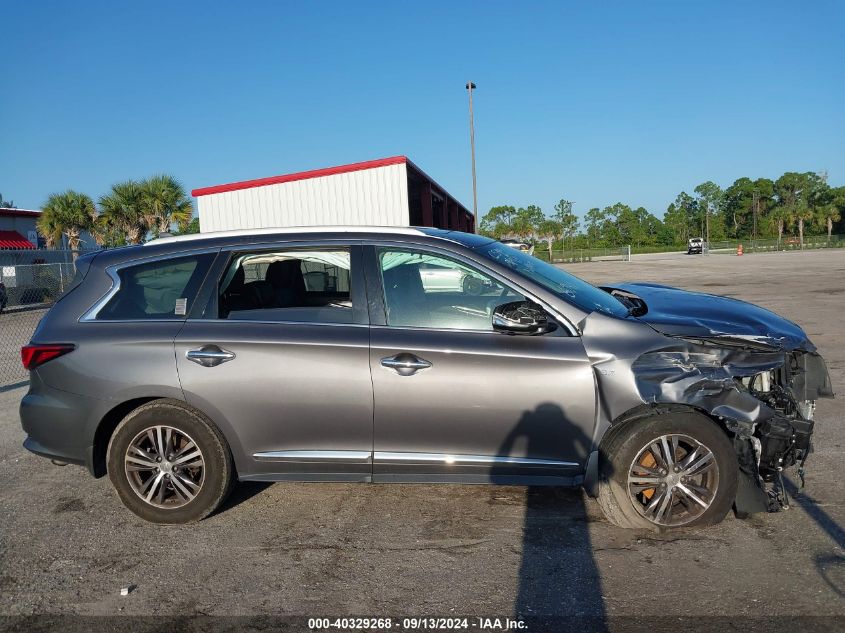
[739, 201]
[106, 232]
[819, 198]
[498, 221]
[594, 221]
[676, 222]
[164, 203]
[6, 204]
[566, 218]
[69, 214]
[526, 221]
[832, 212]
[123, 207]
[710, 199]
[550, 230]
[688, 208]
[791, 191]
[192, 227]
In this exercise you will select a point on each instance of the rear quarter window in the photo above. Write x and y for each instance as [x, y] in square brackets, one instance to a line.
[162, 289]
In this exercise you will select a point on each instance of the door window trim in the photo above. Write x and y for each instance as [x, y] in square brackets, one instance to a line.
[375, 288]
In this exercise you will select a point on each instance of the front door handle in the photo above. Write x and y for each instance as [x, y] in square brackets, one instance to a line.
[209, 355]
[405, 364]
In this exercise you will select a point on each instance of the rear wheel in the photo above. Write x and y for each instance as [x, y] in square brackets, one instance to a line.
[168, 464]
[667, 471]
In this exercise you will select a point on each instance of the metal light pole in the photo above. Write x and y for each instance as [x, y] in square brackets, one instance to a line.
[470, 87]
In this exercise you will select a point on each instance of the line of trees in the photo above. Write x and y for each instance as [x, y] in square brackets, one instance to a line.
[127, 214]
[796, 203]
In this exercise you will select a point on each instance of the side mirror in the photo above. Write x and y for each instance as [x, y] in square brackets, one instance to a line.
[522, 317]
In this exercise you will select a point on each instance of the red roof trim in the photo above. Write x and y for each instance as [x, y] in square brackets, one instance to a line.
[20, 213]
[13, 239]
[302, 175]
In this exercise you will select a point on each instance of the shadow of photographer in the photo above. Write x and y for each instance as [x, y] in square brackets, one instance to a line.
[558, 576]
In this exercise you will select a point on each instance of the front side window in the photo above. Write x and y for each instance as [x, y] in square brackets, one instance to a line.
[296, 285]
[162, 289]
[428, 291]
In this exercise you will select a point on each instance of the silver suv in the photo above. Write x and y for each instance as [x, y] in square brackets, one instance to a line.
[405, 355]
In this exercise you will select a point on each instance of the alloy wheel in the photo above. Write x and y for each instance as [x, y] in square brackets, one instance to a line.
[673, 480]
[165, 467]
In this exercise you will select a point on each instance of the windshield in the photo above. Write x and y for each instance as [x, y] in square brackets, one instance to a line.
[566, 286]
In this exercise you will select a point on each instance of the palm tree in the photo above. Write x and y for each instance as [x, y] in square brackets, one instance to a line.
[123, 209]
[828, 214]
[68, 214]
[48, 228]
[802, 212]
[550, 230]
[106, 232]
[165, 203]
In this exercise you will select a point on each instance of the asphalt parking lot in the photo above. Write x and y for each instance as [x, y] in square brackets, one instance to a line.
[68, 546]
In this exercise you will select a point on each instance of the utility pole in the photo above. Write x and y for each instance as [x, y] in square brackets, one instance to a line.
[470, 87]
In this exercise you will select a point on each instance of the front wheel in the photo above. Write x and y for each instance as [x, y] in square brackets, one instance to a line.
[667, 471]
[168, 464]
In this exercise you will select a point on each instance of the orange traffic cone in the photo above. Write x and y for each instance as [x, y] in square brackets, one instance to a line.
[739, 250]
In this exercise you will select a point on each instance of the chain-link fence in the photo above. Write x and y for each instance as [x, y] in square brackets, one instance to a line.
[575, 255]
[786, 243]
[30, 282]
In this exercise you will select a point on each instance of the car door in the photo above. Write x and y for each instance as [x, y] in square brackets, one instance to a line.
[453, 399]
[279, 359]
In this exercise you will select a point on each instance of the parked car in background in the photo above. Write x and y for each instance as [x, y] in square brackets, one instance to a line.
[695, 246]
[519, 245]
[436, 278]
[363, 354]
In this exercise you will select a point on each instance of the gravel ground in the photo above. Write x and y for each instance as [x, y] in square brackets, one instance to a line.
[67, 546]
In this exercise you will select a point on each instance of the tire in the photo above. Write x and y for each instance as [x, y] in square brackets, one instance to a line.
[628, 464]
[186, 491]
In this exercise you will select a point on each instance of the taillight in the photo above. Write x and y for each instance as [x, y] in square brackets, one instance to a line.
[34, 356]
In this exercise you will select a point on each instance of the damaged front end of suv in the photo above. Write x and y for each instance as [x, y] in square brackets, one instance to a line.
[749, 369]
[765, 397]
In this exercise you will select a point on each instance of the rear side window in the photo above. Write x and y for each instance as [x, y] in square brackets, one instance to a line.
[162, 289]
[292, 285]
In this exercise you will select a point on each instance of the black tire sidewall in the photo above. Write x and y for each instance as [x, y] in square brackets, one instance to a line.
[218, 463]
[629, 440]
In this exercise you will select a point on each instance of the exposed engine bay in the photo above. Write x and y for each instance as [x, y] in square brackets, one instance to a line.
[785, 438]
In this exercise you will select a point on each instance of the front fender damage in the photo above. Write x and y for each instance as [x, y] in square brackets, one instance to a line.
[764, 396]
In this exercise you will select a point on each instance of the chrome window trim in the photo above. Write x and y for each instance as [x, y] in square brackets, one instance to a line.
[388, 456]
[262, 322]
[364, 457]
[90, 315]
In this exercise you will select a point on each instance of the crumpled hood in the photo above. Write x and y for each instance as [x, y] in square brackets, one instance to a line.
[681, 312]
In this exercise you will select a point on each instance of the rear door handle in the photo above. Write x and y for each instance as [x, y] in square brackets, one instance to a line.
[209, 355]
[405, 364]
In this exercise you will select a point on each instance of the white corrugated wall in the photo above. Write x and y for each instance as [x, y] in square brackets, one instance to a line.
[377, 196]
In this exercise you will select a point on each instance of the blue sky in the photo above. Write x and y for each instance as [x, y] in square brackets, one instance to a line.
[597, 102]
